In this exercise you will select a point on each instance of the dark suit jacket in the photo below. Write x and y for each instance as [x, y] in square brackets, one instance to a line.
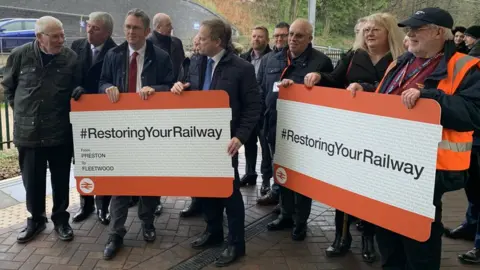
[157, 69]
[174, 47]
[90, 73]
[237, 77]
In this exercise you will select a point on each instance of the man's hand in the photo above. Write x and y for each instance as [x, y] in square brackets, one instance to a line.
[410, 97]
[233, 146]
[354, 88]
[145, 92]
[311, 79]
[77, 93]
[113, 94]
[178, 87]
[286, 83]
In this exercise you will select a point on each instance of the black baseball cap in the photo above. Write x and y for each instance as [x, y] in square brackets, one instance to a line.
[430, 15]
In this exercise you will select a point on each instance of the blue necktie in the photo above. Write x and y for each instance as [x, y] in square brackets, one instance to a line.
[208, 75]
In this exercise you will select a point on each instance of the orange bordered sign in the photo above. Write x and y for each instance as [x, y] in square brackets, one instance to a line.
[168, 145]
[368, 156]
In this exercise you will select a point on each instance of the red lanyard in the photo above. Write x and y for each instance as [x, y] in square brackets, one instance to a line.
[289, 62]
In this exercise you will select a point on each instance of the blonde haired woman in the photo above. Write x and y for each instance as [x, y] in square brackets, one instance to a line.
[379, 42]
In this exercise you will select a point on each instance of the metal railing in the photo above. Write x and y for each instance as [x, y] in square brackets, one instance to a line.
[6, 126]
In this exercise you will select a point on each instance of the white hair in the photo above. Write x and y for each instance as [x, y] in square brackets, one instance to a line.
[447, 32]
[44, 22]
[104, 17]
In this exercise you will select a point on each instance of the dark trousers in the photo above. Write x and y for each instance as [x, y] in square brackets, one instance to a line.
[99, 202]
[402, 253]
[119, 212]
[213, 208]
[472, 190]
[33, 165]
[368, 228]
[294, 205]
[251, 151]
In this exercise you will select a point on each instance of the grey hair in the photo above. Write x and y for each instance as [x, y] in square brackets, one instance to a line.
[104, 17]
[43, 22]
[140, 14]
[447, 32]
[158, 18]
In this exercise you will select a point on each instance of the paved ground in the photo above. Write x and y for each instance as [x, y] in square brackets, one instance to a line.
[265, 250]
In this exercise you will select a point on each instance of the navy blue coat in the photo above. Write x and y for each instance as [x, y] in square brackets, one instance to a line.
[157, 69]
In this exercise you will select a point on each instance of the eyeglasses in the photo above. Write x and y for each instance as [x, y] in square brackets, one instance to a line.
[55, 36]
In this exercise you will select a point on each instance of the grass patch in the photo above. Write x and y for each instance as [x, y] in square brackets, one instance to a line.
[9, 164]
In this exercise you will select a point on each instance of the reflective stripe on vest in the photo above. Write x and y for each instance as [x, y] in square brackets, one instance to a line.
[455, 148]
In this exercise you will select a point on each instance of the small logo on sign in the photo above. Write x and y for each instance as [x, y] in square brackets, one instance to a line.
[281, 175]
[87, 185]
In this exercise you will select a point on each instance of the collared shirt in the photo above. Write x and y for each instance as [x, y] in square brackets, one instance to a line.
[98, 48]
[217, 59]
[256, 60]
[140, 62]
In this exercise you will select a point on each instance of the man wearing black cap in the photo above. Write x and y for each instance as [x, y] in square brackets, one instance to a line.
[433, 69]
[472, 40]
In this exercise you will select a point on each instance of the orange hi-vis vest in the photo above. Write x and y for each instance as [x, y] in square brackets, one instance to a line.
[455, 148]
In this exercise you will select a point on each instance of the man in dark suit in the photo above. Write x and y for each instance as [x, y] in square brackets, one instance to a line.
[161, 37]
[220, 68]
[91, 52]
[135, 66]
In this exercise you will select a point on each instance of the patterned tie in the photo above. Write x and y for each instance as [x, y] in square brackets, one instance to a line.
[94, 55]
[132, 74]
[208, 75]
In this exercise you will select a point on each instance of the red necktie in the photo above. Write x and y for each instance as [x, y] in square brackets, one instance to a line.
[132, 74]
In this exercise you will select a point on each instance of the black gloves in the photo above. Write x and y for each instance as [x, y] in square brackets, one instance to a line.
[77, 92]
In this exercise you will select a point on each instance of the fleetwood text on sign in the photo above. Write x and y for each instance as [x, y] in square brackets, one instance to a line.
[168, 145]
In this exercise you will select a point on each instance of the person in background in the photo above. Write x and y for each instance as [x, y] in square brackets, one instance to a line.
[472, 40]
[272, 196]
[459, 39]
[380, 42]
[259, 47]
[195, 207]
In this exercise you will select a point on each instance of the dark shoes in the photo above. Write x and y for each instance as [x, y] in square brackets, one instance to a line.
[471, 257]
[268, 199]
[280, 224]
[64, 231]
[299, 232]
[368, 249]
[339, 247]
[229, 255]
[206, 240]
[31, 231]
[265, 187]
[192, 210]
[159, 209]
[249, 180]
[83, 214]
[103, 217]
[114, 244]
[461, 232]
[149, 233]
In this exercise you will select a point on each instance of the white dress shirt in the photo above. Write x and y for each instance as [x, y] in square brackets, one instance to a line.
[140, 62]
[217, 59]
